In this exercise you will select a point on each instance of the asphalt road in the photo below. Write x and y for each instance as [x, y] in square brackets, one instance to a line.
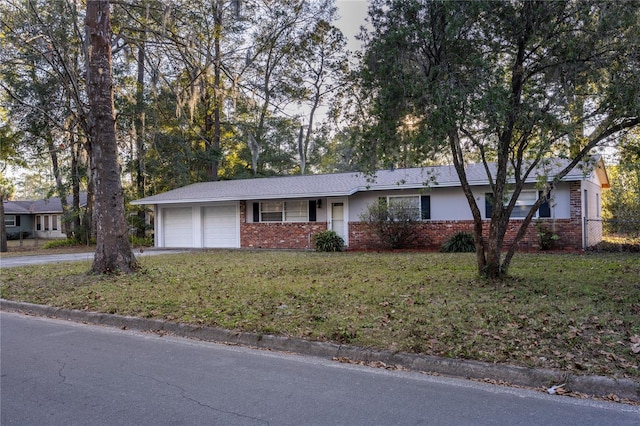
[63, 373]
[9, 262]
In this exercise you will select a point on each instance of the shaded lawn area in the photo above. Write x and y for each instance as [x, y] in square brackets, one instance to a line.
[575, 312]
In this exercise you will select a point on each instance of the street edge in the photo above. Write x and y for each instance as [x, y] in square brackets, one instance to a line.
[597, 386]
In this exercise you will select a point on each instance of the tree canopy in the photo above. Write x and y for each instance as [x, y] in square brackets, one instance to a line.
[223, 89]
[203, 90]
[514, 83]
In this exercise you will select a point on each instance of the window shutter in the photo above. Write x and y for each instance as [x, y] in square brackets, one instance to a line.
[312, 210]
[256, 212]
[425, 207]
[17, 220]
[488, 204]
[545, 209]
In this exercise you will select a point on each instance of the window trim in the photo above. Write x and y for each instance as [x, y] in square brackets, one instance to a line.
[279, 210]
[546, 206]
[303, 206]
[424, 204]
[10, 220]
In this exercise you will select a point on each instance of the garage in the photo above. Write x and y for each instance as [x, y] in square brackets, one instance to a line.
[220, 226]
[177, 223]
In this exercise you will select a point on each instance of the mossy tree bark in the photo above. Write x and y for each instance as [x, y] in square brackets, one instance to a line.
[113, 251]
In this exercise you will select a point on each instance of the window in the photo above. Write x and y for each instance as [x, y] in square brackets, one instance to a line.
[523, 205]
[271, 211]
[296, 211]
[284, 211]
[420, 204]
[46, 222]
[38, 223]
[54, 222]
[10, 220]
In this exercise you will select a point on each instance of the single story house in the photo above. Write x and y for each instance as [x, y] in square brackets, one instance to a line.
[285, 212]
[36, 218]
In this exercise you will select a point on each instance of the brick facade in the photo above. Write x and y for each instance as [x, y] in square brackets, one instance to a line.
[433, 234]
[575, 203]
[277, 235]
[430, 235]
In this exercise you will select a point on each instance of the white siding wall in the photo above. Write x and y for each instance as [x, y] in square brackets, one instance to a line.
[198, 225]
[449, 203]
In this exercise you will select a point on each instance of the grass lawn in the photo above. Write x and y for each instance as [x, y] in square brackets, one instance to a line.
[578, 312]
[33, 247]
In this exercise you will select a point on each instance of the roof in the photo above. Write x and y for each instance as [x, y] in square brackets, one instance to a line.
[49, 205]
[338, 184]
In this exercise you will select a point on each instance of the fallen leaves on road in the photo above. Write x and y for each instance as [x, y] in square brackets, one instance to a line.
[374, 364]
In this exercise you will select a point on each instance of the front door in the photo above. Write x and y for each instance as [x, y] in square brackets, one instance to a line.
[338, 221]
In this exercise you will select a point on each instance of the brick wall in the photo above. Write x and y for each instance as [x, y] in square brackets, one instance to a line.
[277, 235]
[575, 202]
[432, 234]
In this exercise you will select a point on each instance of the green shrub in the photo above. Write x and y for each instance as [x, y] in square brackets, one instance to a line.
[460, 242]
[141, 242]
[394, 222]
[328, 241]
[616, 247]
[17, 235]
[546, 236]
[67, 242]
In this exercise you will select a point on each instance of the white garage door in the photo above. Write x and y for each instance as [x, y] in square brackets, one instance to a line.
[178, 227]
[220, 227]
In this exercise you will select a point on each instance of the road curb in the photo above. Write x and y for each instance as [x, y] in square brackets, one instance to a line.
[598, 386]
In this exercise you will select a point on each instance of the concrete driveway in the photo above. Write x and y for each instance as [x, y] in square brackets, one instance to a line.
[11, 262]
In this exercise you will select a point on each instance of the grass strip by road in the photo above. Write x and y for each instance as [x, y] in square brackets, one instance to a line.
[576, 312]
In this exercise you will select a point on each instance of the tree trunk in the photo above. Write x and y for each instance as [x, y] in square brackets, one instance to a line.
[217, 92]
[301, 151]
[493, 250]
[3, 228]
[139, 124]
[113, 251]
[62, 192]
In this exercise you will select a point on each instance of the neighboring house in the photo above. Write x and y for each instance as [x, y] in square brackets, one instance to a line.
[36, 218]
[285, 212]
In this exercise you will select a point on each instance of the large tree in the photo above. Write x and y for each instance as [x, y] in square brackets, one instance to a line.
[43, 79]
[113, 251]
[510, 84]
[9, 155]
[621, 204]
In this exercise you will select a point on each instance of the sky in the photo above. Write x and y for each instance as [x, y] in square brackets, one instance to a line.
[352, 16]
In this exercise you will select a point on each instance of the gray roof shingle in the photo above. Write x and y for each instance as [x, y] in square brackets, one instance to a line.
[332, 185]
[49, 205]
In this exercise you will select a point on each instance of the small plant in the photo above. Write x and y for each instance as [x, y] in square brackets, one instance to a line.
[394, 222]
[328, 241]
[140, 242]
[17, 235]
[67, 242]
[617, 245]
[460, 242]
[546, 236]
